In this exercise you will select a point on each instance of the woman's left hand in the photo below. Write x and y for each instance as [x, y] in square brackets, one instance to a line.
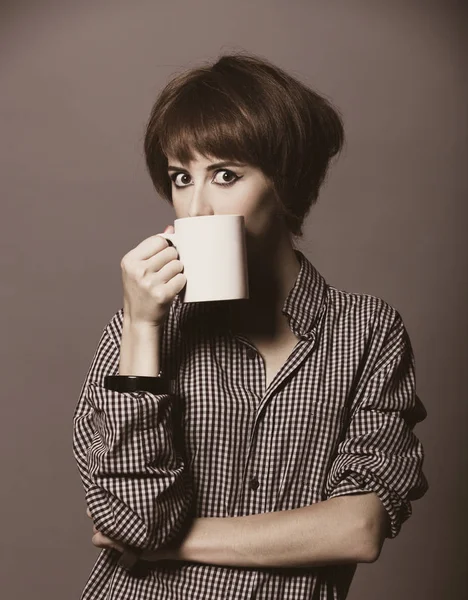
[101, 541]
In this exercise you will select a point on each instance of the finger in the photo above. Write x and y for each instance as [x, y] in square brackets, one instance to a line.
[150, 246]
[176, 284]
[88, 513]
[158, 261]
[168, 271]
[101, 541]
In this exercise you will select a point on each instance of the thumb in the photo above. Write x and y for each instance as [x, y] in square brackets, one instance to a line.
[169, 229]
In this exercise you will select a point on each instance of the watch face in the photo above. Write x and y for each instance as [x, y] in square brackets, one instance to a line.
[129, 558]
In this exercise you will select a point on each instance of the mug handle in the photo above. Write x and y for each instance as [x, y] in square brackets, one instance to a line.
[170, 237]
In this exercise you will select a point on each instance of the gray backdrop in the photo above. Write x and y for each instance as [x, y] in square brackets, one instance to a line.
[77, 83]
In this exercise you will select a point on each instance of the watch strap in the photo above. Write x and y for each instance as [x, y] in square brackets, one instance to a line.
[137, 383]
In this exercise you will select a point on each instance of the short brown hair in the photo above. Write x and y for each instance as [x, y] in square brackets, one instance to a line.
[246, 109]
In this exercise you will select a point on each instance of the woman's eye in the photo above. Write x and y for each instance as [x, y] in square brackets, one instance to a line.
[180, 182]
[223, 177]
[232, 177]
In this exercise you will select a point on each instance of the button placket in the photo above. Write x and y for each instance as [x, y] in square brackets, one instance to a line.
[252, 379]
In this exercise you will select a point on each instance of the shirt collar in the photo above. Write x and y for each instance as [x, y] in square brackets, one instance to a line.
[306, 299]
[303, 305]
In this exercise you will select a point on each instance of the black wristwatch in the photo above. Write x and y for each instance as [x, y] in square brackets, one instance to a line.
[130, 558]
[137, 383]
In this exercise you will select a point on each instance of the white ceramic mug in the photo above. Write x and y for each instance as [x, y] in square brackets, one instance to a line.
[213, 251]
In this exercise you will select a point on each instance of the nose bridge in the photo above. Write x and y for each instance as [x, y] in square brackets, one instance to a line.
[199, 201]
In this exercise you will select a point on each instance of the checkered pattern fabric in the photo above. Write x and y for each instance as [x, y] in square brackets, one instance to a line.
[337, 419]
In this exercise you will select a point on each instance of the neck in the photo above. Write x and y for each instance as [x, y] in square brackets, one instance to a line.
[273, 271]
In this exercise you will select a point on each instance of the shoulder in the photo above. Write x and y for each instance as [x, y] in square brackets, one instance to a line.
[367, 312]
[371, 328]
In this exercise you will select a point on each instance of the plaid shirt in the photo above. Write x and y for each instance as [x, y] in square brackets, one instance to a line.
[337, 419]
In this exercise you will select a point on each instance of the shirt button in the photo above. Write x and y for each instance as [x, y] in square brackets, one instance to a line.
[254, 483]
[359, 479]
[251, 353]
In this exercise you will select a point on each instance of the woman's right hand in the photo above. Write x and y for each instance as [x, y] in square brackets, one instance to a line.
[151, 277]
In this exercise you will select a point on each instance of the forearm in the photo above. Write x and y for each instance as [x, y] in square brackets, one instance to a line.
[139, 349]
[138, 489]
[341, 530]
[134, 477]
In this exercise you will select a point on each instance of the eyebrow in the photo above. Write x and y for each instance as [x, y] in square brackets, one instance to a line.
[210, 167]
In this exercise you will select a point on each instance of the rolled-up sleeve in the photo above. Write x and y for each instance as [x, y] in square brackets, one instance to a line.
[380, 452]
[129, 457]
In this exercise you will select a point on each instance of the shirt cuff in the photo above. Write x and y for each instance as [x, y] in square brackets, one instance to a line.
[140, 410]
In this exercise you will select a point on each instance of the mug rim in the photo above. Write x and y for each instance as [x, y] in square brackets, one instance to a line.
[207, 217]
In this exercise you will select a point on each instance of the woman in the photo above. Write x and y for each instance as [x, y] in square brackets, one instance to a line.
[268, 446]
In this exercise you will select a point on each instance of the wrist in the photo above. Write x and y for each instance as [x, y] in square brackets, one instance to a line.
[208, 541]
[139, 348]
[161, 554]
[140, 327]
